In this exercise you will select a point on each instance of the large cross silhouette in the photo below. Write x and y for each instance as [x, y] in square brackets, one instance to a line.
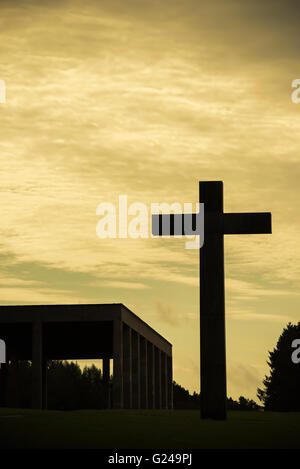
[212, 291]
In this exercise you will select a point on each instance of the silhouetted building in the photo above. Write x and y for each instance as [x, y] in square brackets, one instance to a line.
[142, 358]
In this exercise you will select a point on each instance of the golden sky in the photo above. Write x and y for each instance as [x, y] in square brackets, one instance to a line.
[146, 98]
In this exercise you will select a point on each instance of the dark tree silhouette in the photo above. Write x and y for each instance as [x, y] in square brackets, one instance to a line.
[182, 399]
[281, 387]
[64, 385]
[70, 388]
[93, 388]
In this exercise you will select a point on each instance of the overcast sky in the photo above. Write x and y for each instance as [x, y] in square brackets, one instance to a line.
[146, 98]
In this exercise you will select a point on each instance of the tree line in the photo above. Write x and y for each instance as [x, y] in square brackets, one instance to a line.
[70, 387]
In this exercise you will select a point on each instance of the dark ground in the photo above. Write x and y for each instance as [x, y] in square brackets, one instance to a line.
[23, 428]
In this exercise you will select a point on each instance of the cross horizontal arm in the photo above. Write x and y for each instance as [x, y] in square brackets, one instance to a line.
[247, 223]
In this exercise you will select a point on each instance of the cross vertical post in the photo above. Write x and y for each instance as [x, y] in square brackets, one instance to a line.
[212, 305]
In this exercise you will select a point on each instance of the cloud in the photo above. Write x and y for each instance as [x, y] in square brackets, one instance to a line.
[258, 317]
[19, 295]
[170, 315]
[243, 379]
[126, 285]
[241, 288]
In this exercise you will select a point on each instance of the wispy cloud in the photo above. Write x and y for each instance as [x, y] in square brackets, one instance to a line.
[170, 315]
[244, 379]
[126, 285]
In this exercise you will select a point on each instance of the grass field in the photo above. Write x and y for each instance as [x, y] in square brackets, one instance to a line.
[119, 429]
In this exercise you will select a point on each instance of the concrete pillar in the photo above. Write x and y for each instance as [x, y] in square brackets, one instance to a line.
[164, 395]
[170, 381]
[118, 402]
[136, 374]
[144, 373]
[127, 366]
[106, 382]
[14, 393]
[37, 358]
[151, 376]
[3, 384]
[44, 384]
[157, 356]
